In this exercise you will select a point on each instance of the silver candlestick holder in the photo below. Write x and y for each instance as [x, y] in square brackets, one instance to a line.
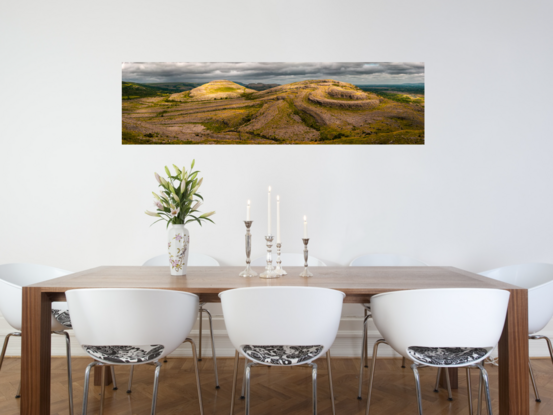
[269, 269]
[248, 272]
[305, 273]
[278, 268]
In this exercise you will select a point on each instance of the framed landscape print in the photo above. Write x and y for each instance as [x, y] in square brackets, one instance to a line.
[282, 103]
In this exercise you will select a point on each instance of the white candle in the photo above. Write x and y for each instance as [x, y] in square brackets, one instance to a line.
[305, 227]
[248, 211]
[269, 212]
[278, 219]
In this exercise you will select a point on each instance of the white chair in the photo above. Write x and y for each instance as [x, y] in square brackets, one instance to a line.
[12, 279]
[277, 326]
[194, 260]
[135, 327]
[538, 279]
[381, 260]
[290, 260]
[411, 326]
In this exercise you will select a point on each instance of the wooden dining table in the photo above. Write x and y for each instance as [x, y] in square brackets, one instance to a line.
[358, 283]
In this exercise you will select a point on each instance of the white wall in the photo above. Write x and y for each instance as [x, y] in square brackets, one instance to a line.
[476, 196]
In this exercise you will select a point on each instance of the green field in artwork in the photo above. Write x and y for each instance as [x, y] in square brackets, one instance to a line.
[313, 111]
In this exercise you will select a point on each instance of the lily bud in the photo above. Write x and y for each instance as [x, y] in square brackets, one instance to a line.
[200, 182]
[177, 170]
[183, 186]
[176, 197]
[156, 196]
[207, 215]
[158, 178]
[155, 215]
[163, 182]
[197, 205]
[193, 162]
[167, 171]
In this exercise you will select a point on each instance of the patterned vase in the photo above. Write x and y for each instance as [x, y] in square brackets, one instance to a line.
[178, 245]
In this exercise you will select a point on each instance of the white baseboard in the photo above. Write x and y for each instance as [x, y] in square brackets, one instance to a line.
[347, 344]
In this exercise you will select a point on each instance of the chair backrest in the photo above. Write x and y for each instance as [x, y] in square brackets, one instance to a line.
[13, 277]
[194, 260]
[385, 260]
[289, 260]
[444, 317]
[283, 316]
[538, 279]
[132, 317]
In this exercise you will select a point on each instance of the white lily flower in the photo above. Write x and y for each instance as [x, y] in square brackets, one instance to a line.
[174, 212]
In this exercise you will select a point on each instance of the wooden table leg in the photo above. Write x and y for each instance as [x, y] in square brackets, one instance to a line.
[514, 389]
[98, 376]
[35, 352]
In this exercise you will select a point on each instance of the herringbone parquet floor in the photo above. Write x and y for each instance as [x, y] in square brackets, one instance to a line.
[275, 391]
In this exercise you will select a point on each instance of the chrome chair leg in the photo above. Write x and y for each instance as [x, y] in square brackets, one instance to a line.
[234, 378]
[103, 390]
[436, 387]
[199, 386]
[314, 380]
[366, 339]
[484, 374]
[448, 383]
[449, 395]
[363, 356]
[129, 390]
[69, 375]
[373, 365]
[213, 348]
[414, 366]
[86, 386]
[156, 384]
[247, 377]
[330, 382]
[4, 348]
[469, 390]
[113, 378]
[200, 335]
[533, 381]
[480, 383]
[243, 394]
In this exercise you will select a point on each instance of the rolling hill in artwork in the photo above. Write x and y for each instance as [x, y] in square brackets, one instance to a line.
[323, 111]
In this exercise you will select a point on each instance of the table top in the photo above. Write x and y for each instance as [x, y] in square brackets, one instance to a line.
[358, 283]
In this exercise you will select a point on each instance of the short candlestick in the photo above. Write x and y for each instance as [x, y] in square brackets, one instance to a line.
[248, 272]
[305, 273]
[269, 269]
[278, 268]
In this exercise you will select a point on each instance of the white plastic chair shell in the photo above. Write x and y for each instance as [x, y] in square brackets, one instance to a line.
[194, 260]
[13, 277]
[431, 318]
[132, 317]
[385, 260]
[289, 260]
[538, 279]
[294, 316]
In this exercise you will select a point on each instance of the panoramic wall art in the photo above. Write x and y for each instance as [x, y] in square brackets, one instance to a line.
[293, 103]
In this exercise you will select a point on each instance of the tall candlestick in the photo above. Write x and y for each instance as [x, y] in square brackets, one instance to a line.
[248, 211]
[278, 219]
[305, 227]
[269, 212]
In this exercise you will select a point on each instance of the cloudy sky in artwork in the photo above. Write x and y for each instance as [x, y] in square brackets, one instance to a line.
[358, 73]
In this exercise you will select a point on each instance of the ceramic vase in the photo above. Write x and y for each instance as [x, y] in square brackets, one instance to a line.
[178, 242]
